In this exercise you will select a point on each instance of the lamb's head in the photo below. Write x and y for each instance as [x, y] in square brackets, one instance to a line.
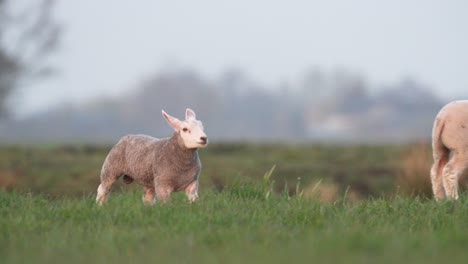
[190, 130]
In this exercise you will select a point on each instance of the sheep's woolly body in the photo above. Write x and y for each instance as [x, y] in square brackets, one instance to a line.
[153, 163]
[161, 166]
[450, 149]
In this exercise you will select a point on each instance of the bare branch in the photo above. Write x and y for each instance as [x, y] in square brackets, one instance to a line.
[27, 37]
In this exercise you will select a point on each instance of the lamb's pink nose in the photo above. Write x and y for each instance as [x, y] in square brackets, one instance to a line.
[204, 139]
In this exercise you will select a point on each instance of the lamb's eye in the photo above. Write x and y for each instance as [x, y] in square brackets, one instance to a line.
[185, 129]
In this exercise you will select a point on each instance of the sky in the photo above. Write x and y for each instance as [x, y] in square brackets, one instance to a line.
[109, 46]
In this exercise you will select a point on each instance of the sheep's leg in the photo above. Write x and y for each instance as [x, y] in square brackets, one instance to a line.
[436, 177]
[108, 177]
[103, 191]
[452, 171]
[162, 194]
[437, 184]
[192, 191]
[148, 196]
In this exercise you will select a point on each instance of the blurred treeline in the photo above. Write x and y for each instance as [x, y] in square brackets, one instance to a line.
[338, 107]
[323, 106]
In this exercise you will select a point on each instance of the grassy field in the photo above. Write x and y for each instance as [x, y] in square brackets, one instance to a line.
[237, 225]
[331, 204]
[362, 171]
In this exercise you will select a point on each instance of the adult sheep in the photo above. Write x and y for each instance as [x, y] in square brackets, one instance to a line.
[161, 166]
[450, 149]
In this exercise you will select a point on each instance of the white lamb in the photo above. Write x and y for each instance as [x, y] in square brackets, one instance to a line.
[161, 166]
[450, 149]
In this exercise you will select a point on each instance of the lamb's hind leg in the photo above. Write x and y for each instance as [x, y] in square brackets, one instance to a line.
[102, 192]
[440, 160]
[451, 173]
[107, 180]
[162, 193]
[148, 196]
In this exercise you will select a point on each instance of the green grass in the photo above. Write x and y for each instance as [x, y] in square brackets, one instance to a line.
[246, 213]
[241, 224]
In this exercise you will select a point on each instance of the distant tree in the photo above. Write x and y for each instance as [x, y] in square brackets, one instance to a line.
[28, 35]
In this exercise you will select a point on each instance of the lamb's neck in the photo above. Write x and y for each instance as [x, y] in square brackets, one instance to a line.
[185, 157]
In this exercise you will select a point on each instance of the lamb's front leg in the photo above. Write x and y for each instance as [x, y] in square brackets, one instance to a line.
[192, 191]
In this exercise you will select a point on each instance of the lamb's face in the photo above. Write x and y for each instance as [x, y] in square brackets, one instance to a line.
[190, 130]
[193, 135]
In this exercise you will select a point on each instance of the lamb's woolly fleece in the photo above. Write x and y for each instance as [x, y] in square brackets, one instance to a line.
[450, 149]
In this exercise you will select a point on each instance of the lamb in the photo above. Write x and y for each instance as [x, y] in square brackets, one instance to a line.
[450, 149]
[161, 166]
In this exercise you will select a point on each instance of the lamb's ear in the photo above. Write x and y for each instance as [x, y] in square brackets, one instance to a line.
[173, 122]
[190, 114]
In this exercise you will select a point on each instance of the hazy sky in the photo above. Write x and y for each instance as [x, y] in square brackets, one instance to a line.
[109, 45]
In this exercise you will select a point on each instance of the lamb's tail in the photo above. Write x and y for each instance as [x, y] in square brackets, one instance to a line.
[127, 179]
